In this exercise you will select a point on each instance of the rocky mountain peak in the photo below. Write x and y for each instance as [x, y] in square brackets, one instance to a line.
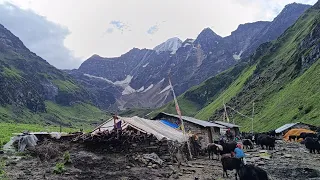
[10, 41]
[208, 33]
[292, 9]
[172, 44]
[95, 56]
[317, 5]
[208, 40]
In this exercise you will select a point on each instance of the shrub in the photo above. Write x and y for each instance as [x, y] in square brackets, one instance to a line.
[66, 157]
[308, 109]
[59, 168]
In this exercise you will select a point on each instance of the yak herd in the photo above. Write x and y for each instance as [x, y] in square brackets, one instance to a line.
[267, 140]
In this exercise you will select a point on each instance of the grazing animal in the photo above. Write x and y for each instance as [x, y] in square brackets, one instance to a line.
[267, 141]
[272, 133]
[231, 163]
[305, 135]
[292, 137]
[251, 172]
[247, 143]
[227, 147]
[312, 144]
[213, 148]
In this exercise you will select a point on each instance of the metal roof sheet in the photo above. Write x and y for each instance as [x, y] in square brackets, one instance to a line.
[197, 121]
[285, 127]
[230, 125]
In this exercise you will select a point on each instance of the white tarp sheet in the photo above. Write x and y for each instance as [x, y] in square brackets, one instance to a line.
[157, 128]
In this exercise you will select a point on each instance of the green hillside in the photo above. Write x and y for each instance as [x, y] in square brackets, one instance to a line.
[34, 92]
[77, 115]
[281, 78]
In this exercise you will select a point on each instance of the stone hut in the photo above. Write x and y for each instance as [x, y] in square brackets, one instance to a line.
[207, 130]
[235, 129]
[298, 125]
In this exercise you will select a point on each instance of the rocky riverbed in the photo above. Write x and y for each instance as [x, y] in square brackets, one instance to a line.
[290, 160]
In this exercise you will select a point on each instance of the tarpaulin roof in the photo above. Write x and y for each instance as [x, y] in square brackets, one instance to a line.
[157, 128]
[296, 132]
[196, 121]
[285, 127]
[169, 124]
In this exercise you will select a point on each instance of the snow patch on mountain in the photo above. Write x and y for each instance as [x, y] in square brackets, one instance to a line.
[162, 80]
[124, 83]
[165, 89]
[128, 90]
[141, 89]
[150, 87]
[172, 44]
[237, 56]
[97, 77]
[145, 65]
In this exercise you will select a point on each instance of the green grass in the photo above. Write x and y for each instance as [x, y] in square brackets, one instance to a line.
[283, 93]
[7, 129]
[79, 114]
[66, 85]
[233, 90]
[11, 73]
[297, 102]
[187, 107]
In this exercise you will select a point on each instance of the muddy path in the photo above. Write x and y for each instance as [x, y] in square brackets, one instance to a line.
[288, 161]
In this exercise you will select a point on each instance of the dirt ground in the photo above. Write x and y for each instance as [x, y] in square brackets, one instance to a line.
[288, 161]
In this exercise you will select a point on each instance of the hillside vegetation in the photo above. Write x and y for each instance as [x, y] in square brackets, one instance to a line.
[34, 92]
[7, 129]
[281, 78]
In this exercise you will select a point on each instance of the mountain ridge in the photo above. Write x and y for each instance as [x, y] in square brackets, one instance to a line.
[280, 78]
[34, 91]
[194, 62]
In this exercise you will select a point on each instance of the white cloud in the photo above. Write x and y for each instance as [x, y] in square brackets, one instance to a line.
[112, 27]
[153, 29]
[41, 36]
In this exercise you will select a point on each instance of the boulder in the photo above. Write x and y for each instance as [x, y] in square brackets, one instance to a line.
[261, 163]
[288, 156]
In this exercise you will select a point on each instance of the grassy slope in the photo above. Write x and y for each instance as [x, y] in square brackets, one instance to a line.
[77, 115]
[282, 92]
[298, 101]
[283, 99]
[7, 129]
[226, 96]
[207, 91]
[188, 108]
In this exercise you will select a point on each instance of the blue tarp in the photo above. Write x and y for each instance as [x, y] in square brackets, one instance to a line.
[166, 122]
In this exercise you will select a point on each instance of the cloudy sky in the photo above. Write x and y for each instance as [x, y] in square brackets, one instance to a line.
[67, 32]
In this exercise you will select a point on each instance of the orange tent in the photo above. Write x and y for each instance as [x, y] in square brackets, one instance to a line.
[296, 132]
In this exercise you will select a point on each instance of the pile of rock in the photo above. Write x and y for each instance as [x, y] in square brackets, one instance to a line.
[147, 160]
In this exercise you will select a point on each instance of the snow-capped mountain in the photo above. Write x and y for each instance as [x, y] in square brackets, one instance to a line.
[139, 78]
[172, 45]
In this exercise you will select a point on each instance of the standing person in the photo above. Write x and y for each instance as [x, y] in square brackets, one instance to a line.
[238, 153]
[253, 138]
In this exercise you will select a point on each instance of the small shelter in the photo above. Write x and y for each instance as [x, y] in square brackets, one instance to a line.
[159, 129]
[298, 125]
[235, 129]
[207, 130]
[296, 132]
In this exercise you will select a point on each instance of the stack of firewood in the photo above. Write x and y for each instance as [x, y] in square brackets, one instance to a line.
[124, 141]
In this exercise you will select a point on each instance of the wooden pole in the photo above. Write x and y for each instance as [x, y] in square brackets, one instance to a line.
[252, 117]
[225, 111]
[180, 117]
